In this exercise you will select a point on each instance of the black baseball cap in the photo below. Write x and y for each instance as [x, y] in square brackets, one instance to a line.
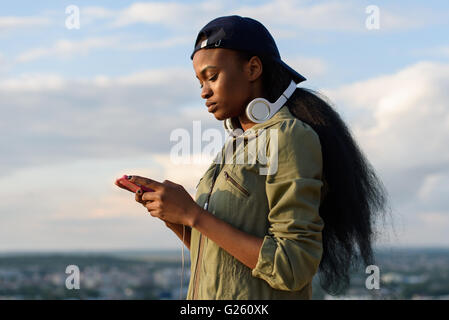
[242, 34]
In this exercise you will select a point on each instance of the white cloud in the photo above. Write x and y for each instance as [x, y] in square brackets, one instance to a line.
[185, 174]
[32, 82]
[402, 119]
[52, 119]
[291, 18]
[297, 14]
[67, 48]
[323, 16]
[435, 219]
[344, 16]
[149, 77]
[45, 81]
[401, 122]
[305, 15]
[166, 43]
[153, 12]
[96, 12]
[169, 14]
[430, 185]
[75, 204]
[11, 22]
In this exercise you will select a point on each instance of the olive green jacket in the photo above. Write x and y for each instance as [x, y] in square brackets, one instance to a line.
[281, 207]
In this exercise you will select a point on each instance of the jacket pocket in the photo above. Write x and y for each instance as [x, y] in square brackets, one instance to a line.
[236, 184]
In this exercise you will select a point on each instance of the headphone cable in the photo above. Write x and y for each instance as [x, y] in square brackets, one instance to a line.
[182, 260]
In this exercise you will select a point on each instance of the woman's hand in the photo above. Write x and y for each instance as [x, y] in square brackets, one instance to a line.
[169, 202]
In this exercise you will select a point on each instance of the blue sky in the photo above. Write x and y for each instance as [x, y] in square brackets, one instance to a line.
[83, 106]
[368, 53]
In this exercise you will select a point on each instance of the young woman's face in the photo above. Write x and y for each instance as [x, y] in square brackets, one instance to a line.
[224, 82]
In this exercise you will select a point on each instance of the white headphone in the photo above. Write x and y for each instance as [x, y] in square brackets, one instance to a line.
[260, 110]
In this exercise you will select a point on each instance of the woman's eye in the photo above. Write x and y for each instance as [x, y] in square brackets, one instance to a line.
[211, 79]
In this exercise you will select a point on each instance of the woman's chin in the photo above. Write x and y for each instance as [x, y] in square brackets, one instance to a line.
[218, 115]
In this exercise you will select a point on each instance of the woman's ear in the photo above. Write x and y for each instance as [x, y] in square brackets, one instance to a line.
[254, 68]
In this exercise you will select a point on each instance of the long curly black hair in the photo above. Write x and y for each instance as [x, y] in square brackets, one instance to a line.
[353, 195]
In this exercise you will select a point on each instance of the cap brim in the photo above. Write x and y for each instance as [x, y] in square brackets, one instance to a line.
[295, 75]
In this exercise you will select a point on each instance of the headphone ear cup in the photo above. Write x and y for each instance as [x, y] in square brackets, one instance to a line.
[227, 124]
[258, 110]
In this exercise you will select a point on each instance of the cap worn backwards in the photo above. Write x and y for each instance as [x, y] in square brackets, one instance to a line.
[242, 34]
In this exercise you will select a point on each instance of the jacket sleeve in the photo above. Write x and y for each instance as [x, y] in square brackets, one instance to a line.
[292, 249]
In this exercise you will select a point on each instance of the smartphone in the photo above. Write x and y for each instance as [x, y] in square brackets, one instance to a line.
[123, 182]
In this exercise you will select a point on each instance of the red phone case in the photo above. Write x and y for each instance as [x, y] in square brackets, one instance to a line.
[125, 183]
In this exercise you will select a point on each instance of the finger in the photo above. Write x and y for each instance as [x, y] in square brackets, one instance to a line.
[170, 183]
[138, 197]
[151, 206]
[150, 196]
[152, 209]
[149, 183]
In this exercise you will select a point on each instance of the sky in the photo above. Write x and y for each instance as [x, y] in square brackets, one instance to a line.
[80, 107]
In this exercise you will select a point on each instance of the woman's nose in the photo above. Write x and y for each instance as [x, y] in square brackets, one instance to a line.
[206, 92]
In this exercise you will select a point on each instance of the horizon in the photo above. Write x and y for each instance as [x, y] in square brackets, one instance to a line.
[178, 250]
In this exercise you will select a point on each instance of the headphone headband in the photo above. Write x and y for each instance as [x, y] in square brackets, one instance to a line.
[260, 110]
[283, 98]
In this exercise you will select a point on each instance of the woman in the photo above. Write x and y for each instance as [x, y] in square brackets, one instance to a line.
[264, 236]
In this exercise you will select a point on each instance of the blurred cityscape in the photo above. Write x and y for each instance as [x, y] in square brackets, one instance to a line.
[404, 274]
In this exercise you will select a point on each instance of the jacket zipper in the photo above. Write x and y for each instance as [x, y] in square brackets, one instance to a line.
[201, 242]
[235, 183]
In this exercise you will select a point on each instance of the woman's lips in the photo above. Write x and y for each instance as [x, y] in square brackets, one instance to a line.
[212, 107]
